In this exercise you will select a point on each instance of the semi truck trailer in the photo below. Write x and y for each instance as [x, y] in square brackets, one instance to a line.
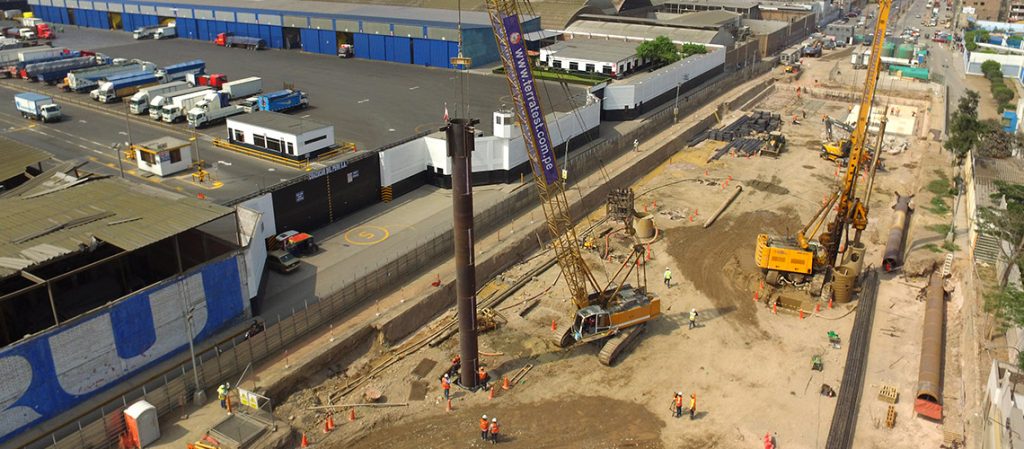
[158, 102]
[179, 107]
[113, 89]
[138, 104]
[212, 109]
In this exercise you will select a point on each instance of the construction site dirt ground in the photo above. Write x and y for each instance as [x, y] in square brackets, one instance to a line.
[749, 368]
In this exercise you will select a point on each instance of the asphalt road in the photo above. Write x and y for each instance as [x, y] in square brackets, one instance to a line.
[370, 103]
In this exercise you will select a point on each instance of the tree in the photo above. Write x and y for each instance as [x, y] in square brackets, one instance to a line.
[1006, 224]
[1007, 306]
[996, 143]
[964, 127]
[990, 68]
[693, 49]
[661, 50]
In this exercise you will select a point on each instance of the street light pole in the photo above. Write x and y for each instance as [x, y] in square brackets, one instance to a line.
[675, 107]
[200, 395]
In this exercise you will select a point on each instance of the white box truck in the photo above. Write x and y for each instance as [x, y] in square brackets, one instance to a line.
[166, 32]
[144, 32]
[37, 107]
[139, 103]
[158, 102]
[243, 87]
[211, 110]
[179, 107]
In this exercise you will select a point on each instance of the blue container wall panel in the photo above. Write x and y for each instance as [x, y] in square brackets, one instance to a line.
[389, 48]
[276, 37]
[252, 30]
[478, 44]
[153, 20]
[310, 40]
[221, 27]
[401, 49]
[64, 16]
[453, 52]
[265, 34]
[231, 28]
[421, 52]
[201, 28]
[188, 26]
[104, 19]
[41, 12]
[328, 42]
[361, 45]
[378, 47]
[127, 22]
[438, 53]
[94, 19]
[81, 17]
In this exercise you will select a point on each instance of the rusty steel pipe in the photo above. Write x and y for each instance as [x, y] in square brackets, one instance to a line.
[928, 401]
[461, 143]
[893, 256]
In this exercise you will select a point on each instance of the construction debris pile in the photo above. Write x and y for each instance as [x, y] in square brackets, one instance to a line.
[747, 135]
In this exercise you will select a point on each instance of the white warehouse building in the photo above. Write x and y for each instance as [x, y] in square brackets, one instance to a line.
[609, 57]
[281, 134]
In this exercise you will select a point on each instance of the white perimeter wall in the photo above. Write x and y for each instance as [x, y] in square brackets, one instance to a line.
[1011, 64]
[628, 95]
[492, 153]
[256, 222]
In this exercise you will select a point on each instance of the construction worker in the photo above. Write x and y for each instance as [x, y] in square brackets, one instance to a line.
[693, 318]
[693, 404]
[494, 430]
[636, 145]
[222, 394]
[446, 385]
[482, 377]
[453, 369]
[668, 277]
[484, 428]
[678, 397]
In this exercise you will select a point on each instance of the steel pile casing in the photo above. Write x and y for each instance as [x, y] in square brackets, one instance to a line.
[893, 256]
[928, 400]
[461, 142]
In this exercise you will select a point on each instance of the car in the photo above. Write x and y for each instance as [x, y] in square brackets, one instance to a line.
[282, 261]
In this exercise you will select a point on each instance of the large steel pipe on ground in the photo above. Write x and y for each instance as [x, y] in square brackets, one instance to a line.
[928, 400]
[893, 256]
[726, 204]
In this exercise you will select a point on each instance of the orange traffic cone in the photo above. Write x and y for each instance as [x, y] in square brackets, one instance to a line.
[762, 285]
[491, 394]
[705, 172]
[801, 314]
[696, 212]
[305, 442]
[504, 383]
[448, 407]
[775, 308]
[830, 303]
[352, 415]
[756, 296]
[328, 424]
[554, 326]
[817, 307]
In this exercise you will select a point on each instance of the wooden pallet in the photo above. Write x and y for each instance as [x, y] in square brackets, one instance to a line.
[888, 393]
[890, 417]
[952, 440]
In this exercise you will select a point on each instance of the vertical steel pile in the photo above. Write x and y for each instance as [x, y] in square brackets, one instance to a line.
[928, 401]
[893, 256]
[460, 148]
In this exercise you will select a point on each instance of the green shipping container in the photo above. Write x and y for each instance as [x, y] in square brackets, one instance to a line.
[888, 49]
[919, 73]
[905, 51]
[858, 38]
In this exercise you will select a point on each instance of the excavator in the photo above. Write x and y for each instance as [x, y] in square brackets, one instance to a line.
[794, 259]
[613, 314]
[833, 149]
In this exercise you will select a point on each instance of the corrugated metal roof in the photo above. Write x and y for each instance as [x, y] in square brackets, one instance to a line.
[599, 50]
[16, 157]
[60, 212]
[700, 19]
[278, 122]
[759, 27]
[741, 4]
[627, 31]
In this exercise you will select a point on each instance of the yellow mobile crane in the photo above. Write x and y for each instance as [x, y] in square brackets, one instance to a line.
[793, 259]
[617, 312]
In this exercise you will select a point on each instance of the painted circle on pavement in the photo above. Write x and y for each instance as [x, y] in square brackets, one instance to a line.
[366, 235]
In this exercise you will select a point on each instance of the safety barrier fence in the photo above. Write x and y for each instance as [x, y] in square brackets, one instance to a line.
[173, 389]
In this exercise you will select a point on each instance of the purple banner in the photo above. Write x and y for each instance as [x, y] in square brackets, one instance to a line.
[531, 104]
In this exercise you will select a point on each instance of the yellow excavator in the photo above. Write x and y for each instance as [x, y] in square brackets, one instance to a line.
[835, 149]
[613, 314]
[794, 259]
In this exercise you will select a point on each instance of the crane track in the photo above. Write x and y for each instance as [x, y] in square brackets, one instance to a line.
[844, 420]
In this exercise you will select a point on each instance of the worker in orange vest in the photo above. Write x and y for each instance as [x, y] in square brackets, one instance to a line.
[484, 427]
[445, 385]
[693, 404]
[494, 430]
[678, 404]
[482, 376]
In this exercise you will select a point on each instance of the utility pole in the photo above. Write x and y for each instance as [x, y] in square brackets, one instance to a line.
[675, 107]
[200, 395]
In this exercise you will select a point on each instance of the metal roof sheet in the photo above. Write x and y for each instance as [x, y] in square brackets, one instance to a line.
[16, 157]
[61, 211]
[712, 18]
[601, 50]
[278, 122]
[637, 31]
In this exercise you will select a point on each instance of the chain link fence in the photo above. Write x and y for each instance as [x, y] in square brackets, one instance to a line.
[173, 390]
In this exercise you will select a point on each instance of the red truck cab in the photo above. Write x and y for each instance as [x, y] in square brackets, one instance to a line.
[221, 39]
[43, 31]
[214, 80]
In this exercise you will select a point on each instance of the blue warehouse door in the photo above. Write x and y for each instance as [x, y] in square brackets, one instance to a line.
[438, 53]
[276, 37]
[82, 16]
[421, 51]
[310, 40]
[187, 28]
[103, 19]
[361, 45]
[64, 16]
[265, 34]
[252, 30]
[203, 30]
[378, 47]
[128, 22]
[400, 50]
[328, 42]
[232, 28]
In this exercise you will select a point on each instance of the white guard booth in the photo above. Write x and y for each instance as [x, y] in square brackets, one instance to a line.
[163, 156]
[281, 134]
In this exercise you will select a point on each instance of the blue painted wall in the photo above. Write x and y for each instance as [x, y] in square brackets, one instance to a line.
[58, 369]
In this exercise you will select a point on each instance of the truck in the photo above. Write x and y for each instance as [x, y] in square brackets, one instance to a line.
[52, 72]
[138, 104]
[159, 101]
[37, 107]
[95, 93]
[165, 32]
[115, 88]
[26, 33]
[181, 71]
[230, 40]
[11, 14]
[212, 109]
[85, 79]
[145, 32]
[243, 87]
[17, 69]
[180, 105]
[10, 63]
[215, 80]
[278, 101]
